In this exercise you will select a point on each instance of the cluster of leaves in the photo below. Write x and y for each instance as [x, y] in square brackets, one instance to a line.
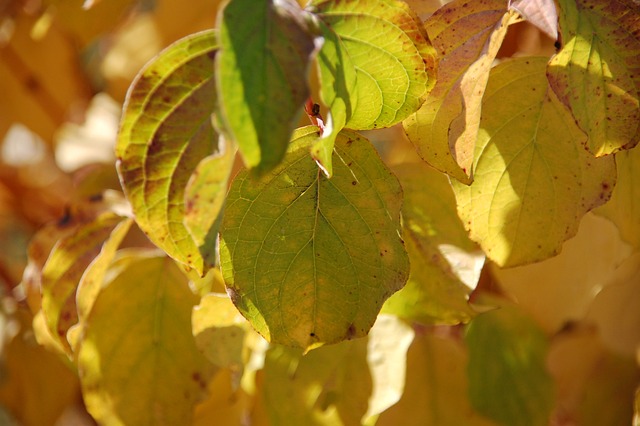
[316, 240]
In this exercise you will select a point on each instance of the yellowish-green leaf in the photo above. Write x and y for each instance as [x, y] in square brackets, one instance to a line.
[165, 131]
[394, 61]
[436, 292]
[508, 380]
[328, 386]
[337, 84]
[533, 180]
[204, 199]
[261, 76]
[308, 260]
[597, 72]
[623, 208]
[436, 386]
[467, 36]
[387, 346]
[64, 268]
[138, 361]
[220, 330]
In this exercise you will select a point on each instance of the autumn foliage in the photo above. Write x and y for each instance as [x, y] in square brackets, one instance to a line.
[340, 212]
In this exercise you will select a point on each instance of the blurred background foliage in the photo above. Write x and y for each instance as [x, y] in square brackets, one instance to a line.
[65, 67]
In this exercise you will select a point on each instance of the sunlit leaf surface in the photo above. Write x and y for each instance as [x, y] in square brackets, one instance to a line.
[328, 386]
[623, 209]
[394, 62]
[508, 381]
[309, 260]
[597, 72]
[261, 76]
[533, 180]
[166, 130]
[541, 13]
[467, 36]
[435, 292]
[138, 360]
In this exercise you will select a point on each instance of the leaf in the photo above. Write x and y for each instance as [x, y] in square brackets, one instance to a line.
[261, 76]
[556, 291]
[387, 347]
[541, 13]
[307, 260]
[533, 181]
[220, 330]
[394, 62]
[37, 386]
[467, 36]
[64, 268]
[597, 72]
[508, 381]
[615, 309]
[436, 386]
[138, 361]
[93, 277]
[436, 292]
[337, 83]
[204, 199]
[225, 405]
[595, 387]
[165, 131]
[622, 209]
[328, 386]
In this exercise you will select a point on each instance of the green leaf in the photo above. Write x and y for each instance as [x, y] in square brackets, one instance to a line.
[166, 130]
[138, 361]
[597, 72]
[261, 76]
[467, 36]
[337, 83]
[508, 379]
[307, 260]
[394, 62]
[439, 249]
[64, 268]
[533, 180]
[623, 209]
[329, 386]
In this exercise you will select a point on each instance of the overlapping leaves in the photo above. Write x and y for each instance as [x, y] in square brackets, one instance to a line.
[467, 36]
[531, 173]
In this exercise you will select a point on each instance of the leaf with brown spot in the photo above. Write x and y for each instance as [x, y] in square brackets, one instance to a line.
[166, 130]
[597, 72]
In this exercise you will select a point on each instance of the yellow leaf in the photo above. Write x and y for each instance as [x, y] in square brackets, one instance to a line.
[436, 386]
[623, 208]
[533, 180]
[138, 361]
[467, 36]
